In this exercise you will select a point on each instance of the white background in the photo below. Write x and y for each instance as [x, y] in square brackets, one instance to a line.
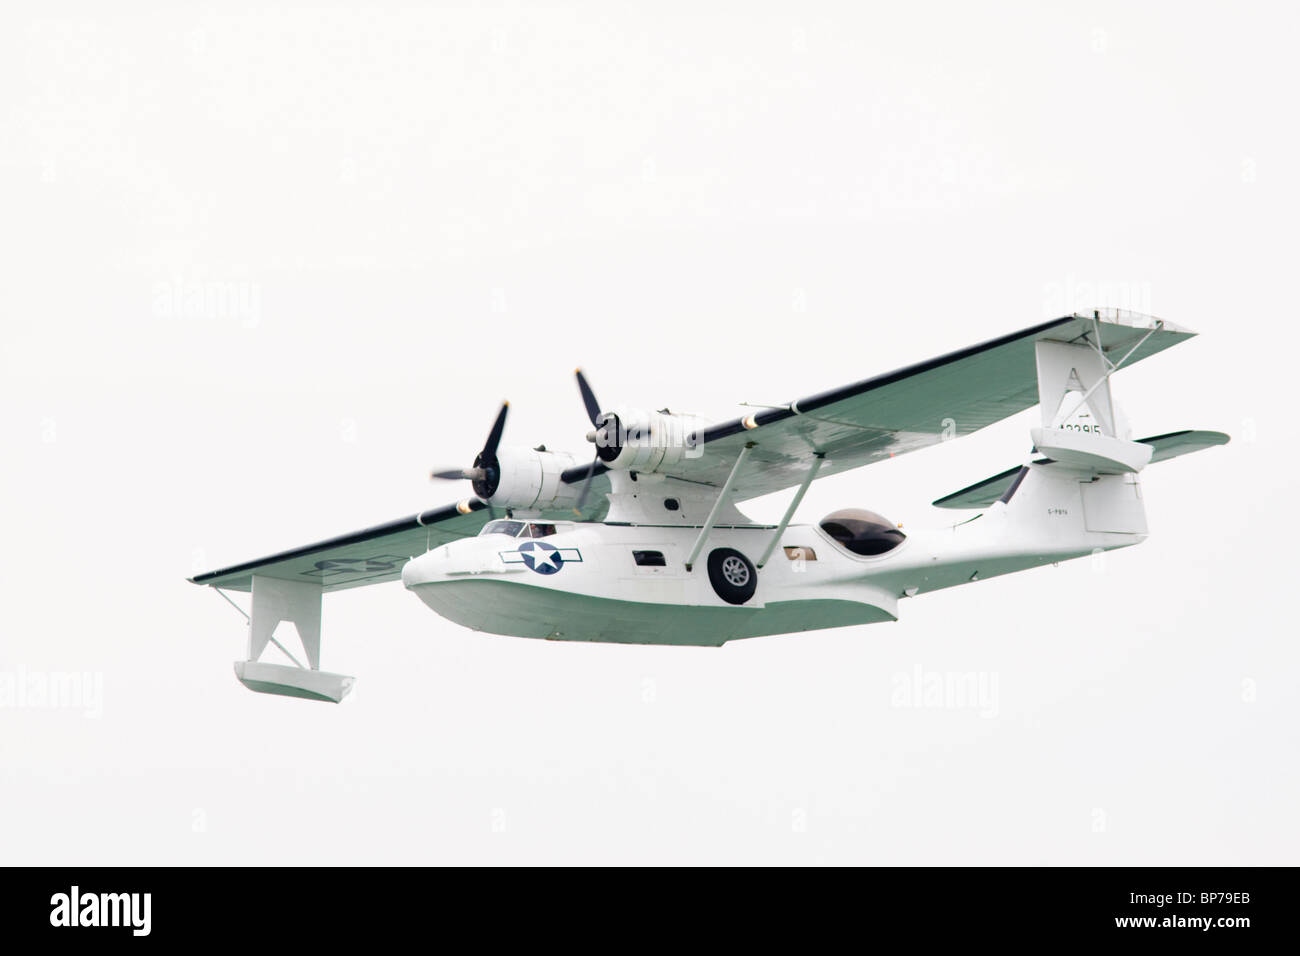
[420, 212]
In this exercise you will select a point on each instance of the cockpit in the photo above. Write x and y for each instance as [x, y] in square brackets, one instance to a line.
[519, 529]
[862, 532]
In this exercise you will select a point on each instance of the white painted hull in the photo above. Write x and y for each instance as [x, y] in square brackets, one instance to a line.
[600, 594]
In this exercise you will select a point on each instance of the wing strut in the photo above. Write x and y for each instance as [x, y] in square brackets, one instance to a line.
[717, 505]
[789, 512]
[284, 650]
[1111, 367]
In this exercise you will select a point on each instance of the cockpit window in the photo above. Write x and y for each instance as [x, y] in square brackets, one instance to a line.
[862, 532]
[503, 526]
[519, 529]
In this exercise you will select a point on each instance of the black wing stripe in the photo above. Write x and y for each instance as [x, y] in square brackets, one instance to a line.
[1156, 439]
[823, 399]
[413, 523]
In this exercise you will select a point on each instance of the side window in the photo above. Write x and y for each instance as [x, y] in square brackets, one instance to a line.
[540, 530]
[649, 559]
[862, 532]
[798, 553]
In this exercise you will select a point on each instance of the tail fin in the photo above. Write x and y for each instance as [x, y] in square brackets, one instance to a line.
[1084, 491]
[1061, 505]
[1082, 429]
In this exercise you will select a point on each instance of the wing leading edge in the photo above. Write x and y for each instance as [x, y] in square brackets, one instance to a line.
[369, 556]
[910, 408]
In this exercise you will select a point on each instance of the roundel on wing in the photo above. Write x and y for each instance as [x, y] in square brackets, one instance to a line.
[541, 557]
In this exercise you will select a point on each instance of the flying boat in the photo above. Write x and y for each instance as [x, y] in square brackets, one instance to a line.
[643, 540]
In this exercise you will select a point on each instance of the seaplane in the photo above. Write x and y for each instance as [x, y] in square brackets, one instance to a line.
[642, 539]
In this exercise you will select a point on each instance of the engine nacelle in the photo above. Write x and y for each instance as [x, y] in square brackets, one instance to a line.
[530, 479]
[632, 439]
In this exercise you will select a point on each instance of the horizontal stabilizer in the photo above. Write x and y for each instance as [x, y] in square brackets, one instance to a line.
[984, 493]
[1183, 443]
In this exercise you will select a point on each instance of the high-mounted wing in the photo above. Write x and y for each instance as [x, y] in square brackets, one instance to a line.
[914, 407]
[370, 556]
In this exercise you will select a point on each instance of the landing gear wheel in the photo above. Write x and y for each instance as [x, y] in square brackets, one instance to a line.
[732, 575]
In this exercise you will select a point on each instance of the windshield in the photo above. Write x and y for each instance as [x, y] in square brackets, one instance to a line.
[519, 529]
[502, 527]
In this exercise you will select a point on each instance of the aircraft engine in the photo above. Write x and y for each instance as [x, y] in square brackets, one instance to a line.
[527, 478]
[520, 478]
[632, 439]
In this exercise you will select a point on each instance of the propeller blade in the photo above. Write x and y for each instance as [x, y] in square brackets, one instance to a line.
[456, 474]
[588, 396]
[494, 436]
[486, 470]
[586, 487]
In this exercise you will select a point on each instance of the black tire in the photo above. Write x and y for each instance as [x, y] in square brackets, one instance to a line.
[732, 575]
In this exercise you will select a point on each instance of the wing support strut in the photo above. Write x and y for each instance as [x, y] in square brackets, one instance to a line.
[284, 650]
[789, 512]
[1112, 367]
[717, 505]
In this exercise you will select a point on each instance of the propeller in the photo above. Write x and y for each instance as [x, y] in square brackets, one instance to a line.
[599, 436]
[588, 398]
[605, 425]
[485, 473]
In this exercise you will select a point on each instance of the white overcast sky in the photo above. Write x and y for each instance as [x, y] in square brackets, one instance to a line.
[264, 268]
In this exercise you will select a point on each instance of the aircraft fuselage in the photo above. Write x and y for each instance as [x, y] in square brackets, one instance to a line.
[623, 583]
